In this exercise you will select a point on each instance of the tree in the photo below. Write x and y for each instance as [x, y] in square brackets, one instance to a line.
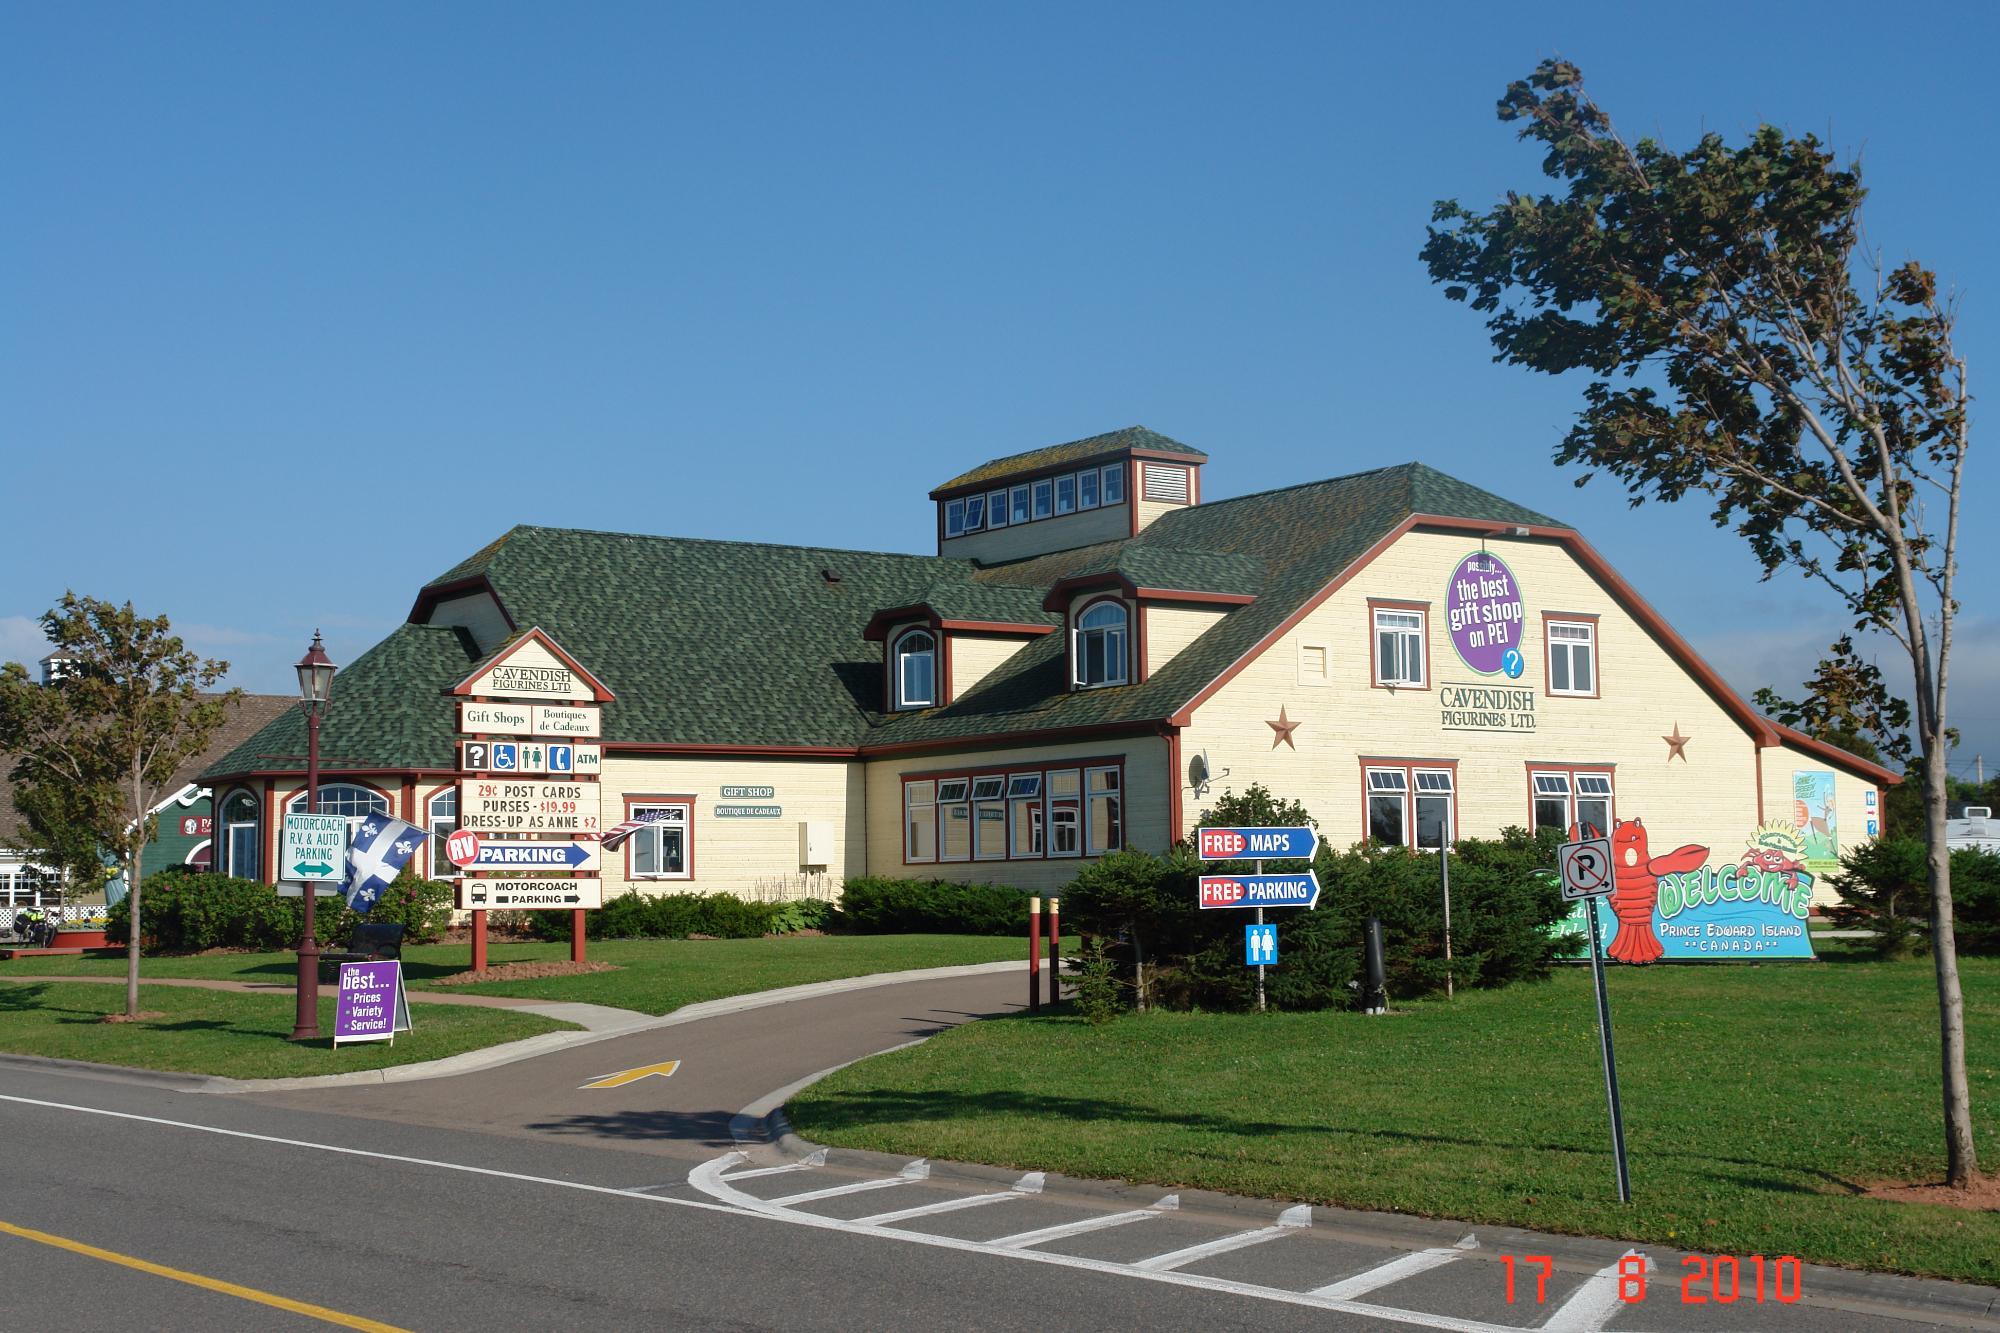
[1742, 346]
[109, 734]
[1847, 704]
[61, 829]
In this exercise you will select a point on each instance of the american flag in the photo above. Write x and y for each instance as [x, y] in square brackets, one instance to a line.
[615, 836]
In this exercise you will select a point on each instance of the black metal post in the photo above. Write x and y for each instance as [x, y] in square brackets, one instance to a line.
[305, 1025]
[1375, 992]
[1610, 1060]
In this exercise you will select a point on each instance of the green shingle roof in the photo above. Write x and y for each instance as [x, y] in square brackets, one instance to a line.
[737, 643]
[1055, 455]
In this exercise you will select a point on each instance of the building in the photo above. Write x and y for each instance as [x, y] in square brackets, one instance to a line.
[1975, 828]
[1095, 651]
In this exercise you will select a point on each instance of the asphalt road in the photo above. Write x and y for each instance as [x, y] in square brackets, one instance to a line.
[515, 1198]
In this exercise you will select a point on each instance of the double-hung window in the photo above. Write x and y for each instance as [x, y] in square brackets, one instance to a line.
[954, 518]
[1086, 489]
[920, 821]
[1044, 498]
[1113, 477]
[996, 509]
[1020, 504]
[1399, 647]
[1065, 813]
[975, 512]
[989, 818]
[1566, 798]
[1066, 494]
[1024, 800]
[1572, 650]
[1099, 646]
[954, 820]
[1389, 806]
[1433, 797]
[1593, 804]
[1552, 802]
[660, 849]
[1106, 809]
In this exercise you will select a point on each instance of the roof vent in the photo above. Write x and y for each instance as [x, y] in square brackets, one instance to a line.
[1979, 812]
[829, 576]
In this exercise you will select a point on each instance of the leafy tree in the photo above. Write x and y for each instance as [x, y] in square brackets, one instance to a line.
[1742, 346]
[60, 828]
[112, 730]
[1847, 704]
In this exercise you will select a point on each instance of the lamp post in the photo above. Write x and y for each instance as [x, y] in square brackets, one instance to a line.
[315, 684]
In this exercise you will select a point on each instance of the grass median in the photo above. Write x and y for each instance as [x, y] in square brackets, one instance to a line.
[232, 1033]
[1760, 1103]
[652, 976]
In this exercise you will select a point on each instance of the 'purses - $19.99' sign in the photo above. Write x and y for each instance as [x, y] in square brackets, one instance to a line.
[493, 806]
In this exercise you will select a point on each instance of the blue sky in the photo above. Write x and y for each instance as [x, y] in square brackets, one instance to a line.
[301, 304]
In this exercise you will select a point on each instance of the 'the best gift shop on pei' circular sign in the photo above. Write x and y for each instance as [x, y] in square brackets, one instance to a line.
[1483, 601]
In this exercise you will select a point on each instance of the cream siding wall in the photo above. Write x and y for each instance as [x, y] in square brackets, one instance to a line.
[1710, 799]
[1146, 793]
[1062, 533]
[746, 857]
[1852, 812]
[1151, 510]
[478, 614]
[974, 657]
[1171, 628]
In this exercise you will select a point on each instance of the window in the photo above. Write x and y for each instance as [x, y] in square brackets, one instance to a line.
[1433, 807]
[1098, 645]
[1107, 822]
[1065, 814]
[975, 512]
[242, 837]
[1593, 804]
[1572, 649]
[442, 822]
[1552, 802]
[915, 659]
[1024, 800]
[996, 509]
[660, 849]
[1399, 647]
[920, 821]
[1312, 664]
[1113, 475]
[1044, 498]
[1020, 507]
[343, 798]
[1388, 806]
[954, 518]
[954, 821]
[1086, 489]
[1066, 494]
[1164, 483]
[989, 818]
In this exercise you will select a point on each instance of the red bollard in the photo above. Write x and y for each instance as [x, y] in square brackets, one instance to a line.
[1055, 952]
[576, 936]
[1034, 955]
[479, 940]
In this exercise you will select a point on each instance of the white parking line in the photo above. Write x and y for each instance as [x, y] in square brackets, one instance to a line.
[912, 1174]
[1043, 1235]
[932, 1209]
[1591, 1305]
[1292, 1219]
[1383, 1274]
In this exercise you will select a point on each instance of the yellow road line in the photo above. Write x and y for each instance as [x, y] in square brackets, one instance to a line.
[197, 1280]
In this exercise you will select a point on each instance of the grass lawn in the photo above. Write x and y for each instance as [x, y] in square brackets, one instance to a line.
[1756, 1099]
[654, 976]
[232, 1033]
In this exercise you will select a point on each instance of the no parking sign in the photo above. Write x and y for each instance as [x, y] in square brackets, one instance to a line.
[1585, 868]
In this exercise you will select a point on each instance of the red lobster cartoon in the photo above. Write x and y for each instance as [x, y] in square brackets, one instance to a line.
[1638, 889]
[1771, 861]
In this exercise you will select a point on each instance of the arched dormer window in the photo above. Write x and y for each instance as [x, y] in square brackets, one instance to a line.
[914, 661]
[343, 798]
[1099, 647]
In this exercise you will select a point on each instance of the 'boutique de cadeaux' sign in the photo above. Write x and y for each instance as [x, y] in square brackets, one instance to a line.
[1483, 603]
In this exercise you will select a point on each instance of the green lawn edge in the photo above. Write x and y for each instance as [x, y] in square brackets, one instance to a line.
[1758, 1101]
[233, 1034]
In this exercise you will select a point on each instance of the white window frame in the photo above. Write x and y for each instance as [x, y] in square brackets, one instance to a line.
[1586, 783]
[1112, 489]
[959, 801]
[1024, 798]
[1044, 497]
[1117, 636]
[954, 518]
[897, 654]
[1073, 804]
[1019, 508]
[996, 510]
[1550, 784]
[1086, 489]
[989, 797]
[255, 828]
[1433, 784]
[440, 827]
[975, 512]
[377, 803]
[1420, 632]
[927, 789]
[654, 836]
[1066, 506]
[1393, 784]
[1095, 841]
[1567, 651]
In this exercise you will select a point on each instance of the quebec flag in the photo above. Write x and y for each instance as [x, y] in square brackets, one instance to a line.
[378, 849]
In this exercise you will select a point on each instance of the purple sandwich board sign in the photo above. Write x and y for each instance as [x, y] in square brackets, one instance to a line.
[372, 1006]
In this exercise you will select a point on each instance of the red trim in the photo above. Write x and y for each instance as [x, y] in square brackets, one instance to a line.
[1855, 764]
[1135, 617]
[1132, 492]
[428, 599]
[1757, 752]
[534, 634]
[676, 747]
[1172, 735]
[688, 801]
[1408, 768]
[1181, 595]
[1010, 479]
[1423, 609]
[274, 818]
[410, 800]
[1596, 653]
[996, 628]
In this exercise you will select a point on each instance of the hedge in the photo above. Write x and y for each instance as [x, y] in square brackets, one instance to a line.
[877, 905]
[187, 911]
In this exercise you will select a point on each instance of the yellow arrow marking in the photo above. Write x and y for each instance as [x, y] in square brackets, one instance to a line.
[664, 1069]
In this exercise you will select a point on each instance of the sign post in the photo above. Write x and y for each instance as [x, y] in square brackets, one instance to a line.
[1585, 869]
[1288, 843]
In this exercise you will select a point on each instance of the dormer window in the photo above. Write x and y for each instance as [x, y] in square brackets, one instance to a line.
[914, 659]
[1098, 646]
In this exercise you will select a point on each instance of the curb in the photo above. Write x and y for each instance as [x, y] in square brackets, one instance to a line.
[546, 1043]
[171, 1080]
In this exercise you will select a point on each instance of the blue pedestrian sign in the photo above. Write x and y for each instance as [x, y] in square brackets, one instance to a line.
[1260, 945]
[1258, 890]
[1256, 844]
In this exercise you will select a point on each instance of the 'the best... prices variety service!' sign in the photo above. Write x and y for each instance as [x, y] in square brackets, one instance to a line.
[372, 1006]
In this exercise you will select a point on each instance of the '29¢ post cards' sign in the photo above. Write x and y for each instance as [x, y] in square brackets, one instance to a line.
[492, 805]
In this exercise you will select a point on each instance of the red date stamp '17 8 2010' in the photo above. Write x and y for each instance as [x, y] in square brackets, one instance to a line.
[1721, 1279]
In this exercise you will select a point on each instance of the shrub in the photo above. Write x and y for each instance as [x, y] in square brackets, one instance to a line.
[1882, 888]
[800, 914]
[186, 911]
[423, 907]
[875, 905]
[668, 916]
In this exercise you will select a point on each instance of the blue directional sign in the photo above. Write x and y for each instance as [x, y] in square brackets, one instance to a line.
[1255, 844]
[506, 757]
[562, 759]
[1260, 945]
[1258, 890]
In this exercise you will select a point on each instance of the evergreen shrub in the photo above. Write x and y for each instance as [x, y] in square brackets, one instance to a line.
[878, 905]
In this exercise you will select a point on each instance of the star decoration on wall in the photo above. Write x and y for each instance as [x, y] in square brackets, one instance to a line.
[1677, 745]
[1284, 727]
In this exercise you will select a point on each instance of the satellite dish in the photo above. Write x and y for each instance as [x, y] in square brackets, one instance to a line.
[1198, 771]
